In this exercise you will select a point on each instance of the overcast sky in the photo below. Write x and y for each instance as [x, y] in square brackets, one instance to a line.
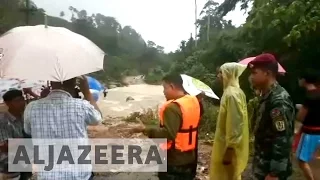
[166, 22]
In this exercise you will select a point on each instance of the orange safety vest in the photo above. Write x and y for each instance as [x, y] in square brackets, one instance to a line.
[186, 137]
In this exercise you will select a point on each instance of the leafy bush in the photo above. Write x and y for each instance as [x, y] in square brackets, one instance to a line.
[252, 110]
[154, 76]
[148, 117]
[208, 122]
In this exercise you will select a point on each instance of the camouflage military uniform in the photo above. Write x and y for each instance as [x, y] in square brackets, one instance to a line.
[252, 112]
[273, 135]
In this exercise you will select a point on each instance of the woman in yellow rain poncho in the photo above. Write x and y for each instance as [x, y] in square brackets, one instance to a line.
[231, 143]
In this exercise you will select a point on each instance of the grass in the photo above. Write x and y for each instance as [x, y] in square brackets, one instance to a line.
[148, 117]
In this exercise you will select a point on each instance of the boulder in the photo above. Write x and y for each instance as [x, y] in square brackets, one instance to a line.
[112, 86]
[129, 98]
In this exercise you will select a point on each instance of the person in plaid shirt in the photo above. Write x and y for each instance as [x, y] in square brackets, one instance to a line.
[11, 126]
[59, 115]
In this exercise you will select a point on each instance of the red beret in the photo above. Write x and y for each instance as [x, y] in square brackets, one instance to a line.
[266, 61]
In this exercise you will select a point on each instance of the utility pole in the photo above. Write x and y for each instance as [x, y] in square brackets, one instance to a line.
[195, 22]
[208, 26]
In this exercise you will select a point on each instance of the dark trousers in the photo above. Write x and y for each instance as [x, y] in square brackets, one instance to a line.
[25, 175]
[185, 172]
[91, 177]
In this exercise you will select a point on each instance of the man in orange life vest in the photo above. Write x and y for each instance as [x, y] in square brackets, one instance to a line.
[179, 120]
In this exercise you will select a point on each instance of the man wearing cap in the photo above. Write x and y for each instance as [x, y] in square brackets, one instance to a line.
[274, 127]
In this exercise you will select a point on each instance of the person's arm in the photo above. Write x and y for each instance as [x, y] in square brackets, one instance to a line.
[281, 146]
[303, 110]
[3, 136]
[30, 92]
[234, 122]
[172, 119]
[302, 113]
[84, 88]
[93, 116]
[26, 119]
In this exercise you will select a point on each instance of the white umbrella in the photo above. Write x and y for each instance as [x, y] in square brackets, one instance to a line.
[10, 83]
[194, 87]
[47, 53]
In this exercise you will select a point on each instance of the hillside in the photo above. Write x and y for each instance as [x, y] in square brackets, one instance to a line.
[127, 52]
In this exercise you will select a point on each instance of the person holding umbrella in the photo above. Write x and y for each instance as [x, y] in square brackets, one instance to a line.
[230, 150]
[274, 127]
[61, 116]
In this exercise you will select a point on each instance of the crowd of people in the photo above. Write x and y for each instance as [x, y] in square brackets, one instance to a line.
[272, 122]
[58, 114]
[61, 113]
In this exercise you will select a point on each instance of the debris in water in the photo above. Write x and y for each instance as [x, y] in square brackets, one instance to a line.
[129, 98]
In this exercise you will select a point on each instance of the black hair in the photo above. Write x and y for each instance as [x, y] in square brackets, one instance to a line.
[174, 79]
[310, 76]
[70, 83]
[12, 94]
[76, 92]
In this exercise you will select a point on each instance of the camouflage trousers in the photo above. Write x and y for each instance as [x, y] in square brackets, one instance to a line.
[260, 169]
[187, 172]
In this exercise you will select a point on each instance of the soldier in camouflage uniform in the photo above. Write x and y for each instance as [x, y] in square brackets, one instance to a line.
[274, 128]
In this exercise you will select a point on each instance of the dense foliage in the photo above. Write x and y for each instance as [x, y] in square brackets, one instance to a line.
[289, 29]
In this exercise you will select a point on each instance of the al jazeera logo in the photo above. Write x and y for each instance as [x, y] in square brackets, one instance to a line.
[199, 84]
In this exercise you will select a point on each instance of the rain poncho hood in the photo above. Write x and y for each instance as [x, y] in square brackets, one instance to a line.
[231, 73]
[232, 127]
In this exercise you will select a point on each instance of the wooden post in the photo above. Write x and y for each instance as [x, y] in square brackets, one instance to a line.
[208, 28]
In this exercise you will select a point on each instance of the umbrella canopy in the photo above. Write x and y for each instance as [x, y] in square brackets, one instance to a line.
[47, 53]
[7, 84]
[194, 87]
[94, 84]
[249, 59]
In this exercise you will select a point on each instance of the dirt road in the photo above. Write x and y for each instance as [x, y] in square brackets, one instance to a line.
[115, 106]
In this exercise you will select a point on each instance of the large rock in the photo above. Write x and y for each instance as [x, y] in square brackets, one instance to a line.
[129, 98]
[112, 86]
